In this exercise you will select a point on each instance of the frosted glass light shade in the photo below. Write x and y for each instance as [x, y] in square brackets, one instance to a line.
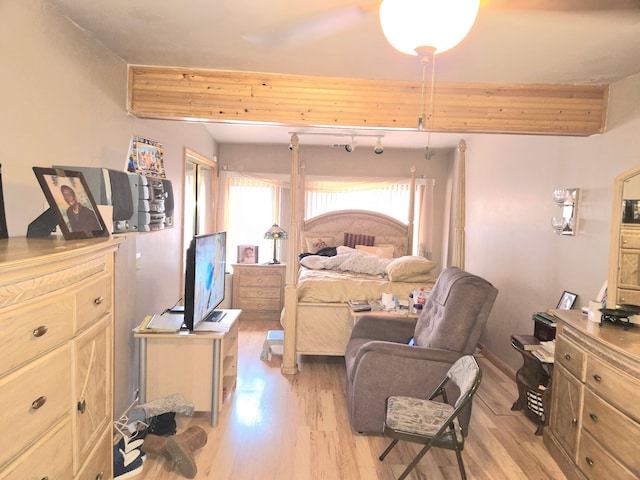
[440, 24]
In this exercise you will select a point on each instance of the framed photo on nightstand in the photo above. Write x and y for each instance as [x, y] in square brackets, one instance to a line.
[247, 253]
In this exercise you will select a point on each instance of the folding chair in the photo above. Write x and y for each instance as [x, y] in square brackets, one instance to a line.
[429, 422]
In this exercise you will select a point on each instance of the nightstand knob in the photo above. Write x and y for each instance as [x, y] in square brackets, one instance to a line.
[589, 461]
[567, 356]
[98, 300]
[82, 406]
[574, 422]
[597, 378]
[593, 417]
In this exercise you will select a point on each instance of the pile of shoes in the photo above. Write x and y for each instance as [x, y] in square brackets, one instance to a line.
[157, 437]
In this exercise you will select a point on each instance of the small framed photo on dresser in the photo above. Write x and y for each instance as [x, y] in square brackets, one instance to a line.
[247, 253]
[566, 301]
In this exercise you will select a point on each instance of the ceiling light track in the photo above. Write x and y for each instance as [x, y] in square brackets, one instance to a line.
[378, 149]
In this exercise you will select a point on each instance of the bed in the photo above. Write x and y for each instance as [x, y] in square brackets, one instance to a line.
[316, 317]
[363, 272]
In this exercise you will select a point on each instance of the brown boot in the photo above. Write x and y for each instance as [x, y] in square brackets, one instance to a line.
[154, 444]
[182, 446]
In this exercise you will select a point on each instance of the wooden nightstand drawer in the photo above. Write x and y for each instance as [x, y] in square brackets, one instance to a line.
[260, 279]
[249, 304]
[262, 292]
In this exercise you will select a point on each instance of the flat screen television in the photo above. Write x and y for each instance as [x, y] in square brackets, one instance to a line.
[204, 279]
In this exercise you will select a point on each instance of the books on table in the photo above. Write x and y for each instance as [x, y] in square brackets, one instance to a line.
[359, 305]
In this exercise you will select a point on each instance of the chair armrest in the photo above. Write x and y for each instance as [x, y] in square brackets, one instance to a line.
[390, 329]
[398, 353]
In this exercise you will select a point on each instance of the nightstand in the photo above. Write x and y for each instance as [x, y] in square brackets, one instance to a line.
[258, 290]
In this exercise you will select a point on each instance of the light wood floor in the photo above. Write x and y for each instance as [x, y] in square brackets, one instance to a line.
[296, 428]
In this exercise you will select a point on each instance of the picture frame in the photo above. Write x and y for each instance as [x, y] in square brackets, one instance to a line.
[247, 253]
[630, 211]
[146, 157]
[71, 203]
[567, 300]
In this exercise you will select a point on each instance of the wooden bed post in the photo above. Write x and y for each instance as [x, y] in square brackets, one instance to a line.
[458, 240]
[412, 208]
[289, 360]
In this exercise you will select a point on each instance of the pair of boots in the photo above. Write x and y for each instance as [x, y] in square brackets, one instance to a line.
[179, 447]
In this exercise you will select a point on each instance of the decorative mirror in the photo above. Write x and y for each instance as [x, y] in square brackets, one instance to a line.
[624, 254]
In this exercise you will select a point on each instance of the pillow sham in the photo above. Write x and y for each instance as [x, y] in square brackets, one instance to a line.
[353, 239]
[399, 243]
[409, 267]
[314, 241]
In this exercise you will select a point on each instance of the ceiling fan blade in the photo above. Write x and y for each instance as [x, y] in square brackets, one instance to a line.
[564, 5]
[313, 27]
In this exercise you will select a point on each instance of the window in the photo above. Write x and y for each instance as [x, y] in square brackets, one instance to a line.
[252, 207]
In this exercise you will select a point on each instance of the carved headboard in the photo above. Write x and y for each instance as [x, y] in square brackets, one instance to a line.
[328, 230]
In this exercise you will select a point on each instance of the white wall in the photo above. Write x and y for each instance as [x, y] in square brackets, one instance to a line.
[63, 101]
[510, 180]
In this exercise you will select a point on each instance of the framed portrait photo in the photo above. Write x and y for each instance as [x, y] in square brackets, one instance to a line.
[71, 203]
[566, 301]
[247, 253]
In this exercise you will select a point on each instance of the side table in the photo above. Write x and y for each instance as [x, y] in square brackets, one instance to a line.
[200, 365]
[534, 386]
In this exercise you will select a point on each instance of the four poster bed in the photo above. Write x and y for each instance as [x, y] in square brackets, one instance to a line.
[316, 316]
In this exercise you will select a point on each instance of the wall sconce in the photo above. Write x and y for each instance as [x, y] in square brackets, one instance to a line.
[567, 200]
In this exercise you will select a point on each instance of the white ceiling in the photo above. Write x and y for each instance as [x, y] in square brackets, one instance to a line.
[513, 41]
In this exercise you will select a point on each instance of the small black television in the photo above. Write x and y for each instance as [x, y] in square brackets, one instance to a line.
[204, 279]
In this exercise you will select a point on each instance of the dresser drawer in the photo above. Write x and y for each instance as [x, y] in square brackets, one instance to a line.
[261, 292]
[99, 464]
[263, 277]
[611, 429]
[93, 300]
[34, 328]
[630, 239]
[570, 356]
[597, 464]
[614, 386]
[246, 303]
[33, 399]
[230, 340]
[49, 458]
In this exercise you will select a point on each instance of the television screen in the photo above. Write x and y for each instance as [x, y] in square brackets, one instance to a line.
[204, 278]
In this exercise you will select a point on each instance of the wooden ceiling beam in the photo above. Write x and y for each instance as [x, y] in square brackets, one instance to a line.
[224, 96]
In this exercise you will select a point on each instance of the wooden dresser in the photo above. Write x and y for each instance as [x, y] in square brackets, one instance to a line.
[595, 413]
[56, 321]
[258, 290]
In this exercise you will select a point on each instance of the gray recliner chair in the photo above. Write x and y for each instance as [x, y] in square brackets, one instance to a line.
[380, 362]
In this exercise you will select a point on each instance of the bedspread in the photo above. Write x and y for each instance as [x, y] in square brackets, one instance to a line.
[330, 286]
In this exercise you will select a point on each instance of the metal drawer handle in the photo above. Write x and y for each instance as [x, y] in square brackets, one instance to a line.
[567, 356]
[574, 422]
[82, 405]
[589, 461]
[100, 476]
[44, 478]
[99, 300]
[597, 378]
[40, 331]
[593, 417]
[39, 402]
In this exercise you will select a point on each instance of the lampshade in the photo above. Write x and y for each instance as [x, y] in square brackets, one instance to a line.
[439, 24]
[275, 233]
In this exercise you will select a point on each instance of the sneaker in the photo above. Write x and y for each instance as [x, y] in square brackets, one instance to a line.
[126, 465]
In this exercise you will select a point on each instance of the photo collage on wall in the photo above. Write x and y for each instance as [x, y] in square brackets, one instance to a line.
[146, 157]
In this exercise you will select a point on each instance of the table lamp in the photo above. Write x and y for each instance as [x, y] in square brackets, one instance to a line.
[275, 233]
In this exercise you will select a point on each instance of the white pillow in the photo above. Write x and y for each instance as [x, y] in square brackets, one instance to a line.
[382, 251]
[408, 268]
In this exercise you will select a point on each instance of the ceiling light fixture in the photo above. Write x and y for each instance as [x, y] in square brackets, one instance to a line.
[350, 147]
[378, 149]
[426, 28]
